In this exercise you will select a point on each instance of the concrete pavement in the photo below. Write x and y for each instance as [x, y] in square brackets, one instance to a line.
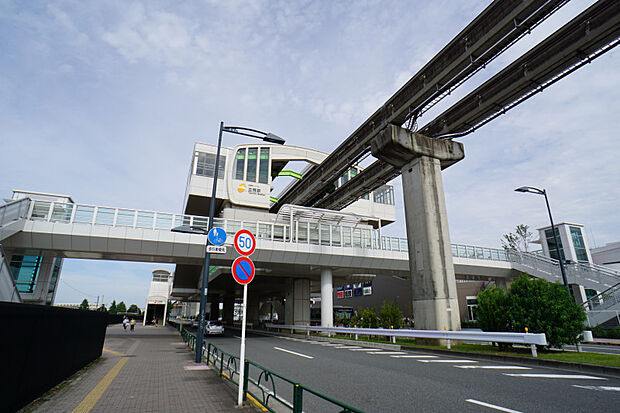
[142, 371]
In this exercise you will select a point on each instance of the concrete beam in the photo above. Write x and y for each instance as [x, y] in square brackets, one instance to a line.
[398, 146]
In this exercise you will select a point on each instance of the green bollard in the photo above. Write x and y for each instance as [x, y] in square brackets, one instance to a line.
[246, 379]
[298, 393]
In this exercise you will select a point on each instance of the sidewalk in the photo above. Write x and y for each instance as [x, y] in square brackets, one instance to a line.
[143, 371]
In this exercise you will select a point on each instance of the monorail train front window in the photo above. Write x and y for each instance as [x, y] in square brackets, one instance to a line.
[252, 161]
[263, 167]
[240, 164]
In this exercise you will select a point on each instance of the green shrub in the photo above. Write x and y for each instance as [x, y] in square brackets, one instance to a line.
[390, 315]
[492, 312]
[540, 306]
[368, 318]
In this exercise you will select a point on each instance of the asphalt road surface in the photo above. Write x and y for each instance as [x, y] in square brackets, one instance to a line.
[387, 381]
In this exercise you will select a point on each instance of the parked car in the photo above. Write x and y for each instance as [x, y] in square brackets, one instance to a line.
[214, 327]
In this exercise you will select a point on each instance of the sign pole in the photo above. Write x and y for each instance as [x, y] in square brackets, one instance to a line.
[242, 351]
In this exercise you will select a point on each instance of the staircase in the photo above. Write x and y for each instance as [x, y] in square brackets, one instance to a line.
[8, 289]
[603, 307]
[590, 276]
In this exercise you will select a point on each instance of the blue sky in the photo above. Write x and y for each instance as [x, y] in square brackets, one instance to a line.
[103, 101]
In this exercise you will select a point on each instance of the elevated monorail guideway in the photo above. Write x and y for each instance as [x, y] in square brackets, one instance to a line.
[586, 37]
[499, 26]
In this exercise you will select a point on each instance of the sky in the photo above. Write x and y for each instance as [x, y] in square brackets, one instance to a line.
[103, 101]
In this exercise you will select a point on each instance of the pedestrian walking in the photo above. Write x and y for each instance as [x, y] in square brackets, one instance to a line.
[125, 323]
[132, 325]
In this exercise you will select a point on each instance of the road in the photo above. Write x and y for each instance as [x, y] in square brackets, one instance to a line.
[386, 381]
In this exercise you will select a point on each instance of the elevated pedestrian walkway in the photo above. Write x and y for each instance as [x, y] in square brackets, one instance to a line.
[142, 371]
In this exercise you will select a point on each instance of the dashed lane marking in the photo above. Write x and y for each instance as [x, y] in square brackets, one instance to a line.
[555, 376]
[598, 388]
[365, 349]
[495, 367]
[447, 361]
[294, 352]
[492, 406]
[387, 353]
[411, 356]
[349, 347]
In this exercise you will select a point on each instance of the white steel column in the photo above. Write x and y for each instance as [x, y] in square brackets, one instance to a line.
[327, 298]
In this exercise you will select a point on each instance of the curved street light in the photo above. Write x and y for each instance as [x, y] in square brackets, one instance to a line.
[238, 130]
[543, 192]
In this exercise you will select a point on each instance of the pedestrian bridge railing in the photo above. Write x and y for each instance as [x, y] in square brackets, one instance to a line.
[299, 232]
[499, 337]
[271, 390]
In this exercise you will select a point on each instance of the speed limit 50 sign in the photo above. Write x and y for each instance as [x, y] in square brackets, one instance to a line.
[245, 243]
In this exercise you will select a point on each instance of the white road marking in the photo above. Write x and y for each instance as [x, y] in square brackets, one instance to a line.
[409, 356]
[387, 353]
[598, 388]
[237, 337]
[293, 352]
[492, 406]
[495, 367]
[555, 376]
[330, 344]
[365, 349]
[347, 347]
[447, 361]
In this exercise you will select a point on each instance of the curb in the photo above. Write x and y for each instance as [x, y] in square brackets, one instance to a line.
[613, 372]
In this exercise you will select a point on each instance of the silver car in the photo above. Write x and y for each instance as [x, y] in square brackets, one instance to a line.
[214, 327]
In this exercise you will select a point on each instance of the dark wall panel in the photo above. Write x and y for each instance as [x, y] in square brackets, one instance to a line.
[40, 346]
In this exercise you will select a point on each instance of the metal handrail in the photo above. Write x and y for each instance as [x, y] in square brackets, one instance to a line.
[533, 339]
[337, 235]
[258, 387]
[603, 298]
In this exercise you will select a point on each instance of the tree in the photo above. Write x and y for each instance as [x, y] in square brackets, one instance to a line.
[121, 307]
[102, 308]
[133, 309]
[547, 308]
[113, 309]
[369, 318]
[391, 315]
[492, 310]
[519, 240]
[540, 306]
[84, 305]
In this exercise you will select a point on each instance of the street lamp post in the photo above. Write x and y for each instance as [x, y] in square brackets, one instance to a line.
[253, 133]
[543, 192]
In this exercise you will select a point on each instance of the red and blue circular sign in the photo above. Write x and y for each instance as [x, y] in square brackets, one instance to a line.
[243, 270]
[245, 243]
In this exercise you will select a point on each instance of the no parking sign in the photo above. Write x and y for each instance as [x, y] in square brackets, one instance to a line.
[243, 270]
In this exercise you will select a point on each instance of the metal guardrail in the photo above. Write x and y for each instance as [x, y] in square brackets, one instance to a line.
[271, 390]
[532, 339]
[14, 210]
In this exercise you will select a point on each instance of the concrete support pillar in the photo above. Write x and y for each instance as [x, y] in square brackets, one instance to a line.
[435, 303]
[579, 293]
[421, 159]
[327, 298]
[297, 304]
[252, 311]
[229, 310]
[502, 283]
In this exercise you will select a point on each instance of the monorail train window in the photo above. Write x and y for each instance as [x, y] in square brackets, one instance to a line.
[263, 167]
[240, 164]
[252, 160]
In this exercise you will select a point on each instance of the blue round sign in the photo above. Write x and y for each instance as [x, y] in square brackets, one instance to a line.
[217, 236]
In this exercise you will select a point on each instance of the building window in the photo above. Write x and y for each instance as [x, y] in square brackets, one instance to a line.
[252, 164]
[205, 165]
[551, 244]
[472, 302]
[579, 244]
[25, 270]
[263, 167]
[240, 164]
[384, 195]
